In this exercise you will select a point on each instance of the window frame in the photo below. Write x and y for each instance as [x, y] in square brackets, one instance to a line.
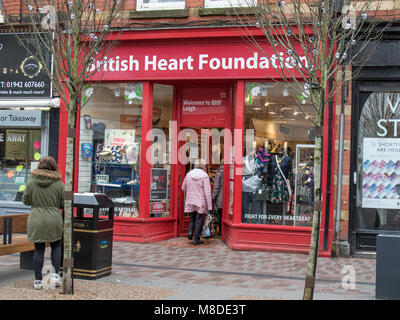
[171, 5]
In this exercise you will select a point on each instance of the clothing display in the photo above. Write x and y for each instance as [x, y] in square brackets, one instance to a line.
[268, 188]
[251, 206]
[305, 186]
[250, 165]
[279, 192]
[286, 166]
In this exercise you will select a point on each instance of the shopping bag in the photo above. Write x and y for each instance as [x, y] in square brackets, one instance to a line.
[208, 227]
[206, 232]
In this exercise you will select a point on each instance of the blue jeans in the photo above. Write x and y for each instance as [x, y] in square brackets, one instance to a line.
[251, 208]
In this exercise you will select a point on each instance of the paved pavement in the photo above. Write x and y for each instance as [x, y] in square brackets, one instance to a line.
[177, 270]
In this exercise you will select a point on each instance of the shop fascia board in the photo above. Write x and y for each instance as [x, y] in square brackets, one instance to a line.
[33, 103]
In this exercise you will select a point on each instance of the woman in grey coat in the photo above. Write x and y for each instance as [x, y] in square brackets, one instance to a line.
[217, 194]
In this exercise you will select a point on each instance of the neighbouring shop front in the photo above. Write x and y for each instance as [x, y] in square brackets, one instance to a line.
[375, 183]
[27, 120]
[162, 105]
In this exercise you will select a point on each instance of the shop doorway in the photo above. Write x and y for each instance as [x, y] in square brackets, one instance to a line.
[375, 188]
[203, 115]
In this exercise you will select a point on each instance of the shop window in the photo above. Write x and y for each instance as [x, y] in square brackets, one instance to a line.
[277, 182]
[228, 3]
[143, 5]
[160, 175]
[378, 167]
[110, 135]
[20, 153]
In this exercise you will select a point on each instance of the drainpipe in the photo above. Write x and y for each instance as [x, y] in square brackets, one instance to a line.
[340, 166]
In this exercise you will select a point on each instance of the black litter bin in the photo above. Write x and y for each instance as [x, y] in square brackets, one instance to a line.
[92, 235]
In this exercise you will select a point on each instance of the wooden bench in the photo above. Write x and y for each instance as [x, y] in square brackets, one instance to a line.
[15, 240]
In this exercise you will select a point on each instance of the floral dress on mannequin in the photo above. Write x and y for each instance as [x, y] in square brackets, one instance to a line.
[279, 190]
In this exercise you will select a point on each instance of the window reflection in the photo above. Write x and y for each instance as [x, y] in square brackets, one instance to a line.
[110, 136]
[20, 153]
[378, 183]
[277, 183]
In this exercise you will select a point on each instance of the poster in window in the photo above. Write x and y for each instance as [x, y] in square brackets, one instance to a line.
[204, 107]
[17, 144]
[158, 207]
[381, 173]
[159, 184]
[118, 137]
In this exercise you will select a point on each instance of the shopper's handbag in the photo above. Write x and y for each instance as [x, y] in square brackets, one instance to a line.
[208, 227]
[263, 192]
[289, 189]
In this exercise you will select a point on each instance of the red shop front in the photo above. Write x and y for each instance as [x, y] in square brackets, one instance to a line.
[165, 98]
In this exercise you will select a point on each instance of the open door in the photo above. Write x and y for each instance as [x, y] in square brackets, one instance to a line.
[203, 114]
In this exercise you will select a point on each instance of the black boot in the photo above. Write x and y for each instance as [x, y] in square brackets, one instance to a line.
[197, 241]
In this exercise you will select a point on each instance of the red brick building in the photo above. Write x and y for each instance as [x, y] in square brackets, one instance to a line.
[182, 67]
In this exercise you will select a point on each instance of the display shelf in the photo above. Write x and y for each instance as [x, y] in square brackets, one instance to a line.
[113, 163]
[122, 204]
[115, 185]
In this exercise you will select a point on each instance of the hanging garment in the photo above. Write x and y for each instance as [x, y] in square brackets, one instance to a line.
[250, 179]
[250, 165]
[286, 166]
[305, 187]
[279, 191]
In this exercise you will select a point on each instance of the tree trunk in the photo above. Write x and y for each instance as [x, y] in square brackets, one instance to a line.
[313, 253]
[69, 170]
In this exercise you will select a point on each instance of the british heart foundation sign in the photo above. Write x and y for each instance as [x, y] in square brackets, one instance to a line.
[204, 107]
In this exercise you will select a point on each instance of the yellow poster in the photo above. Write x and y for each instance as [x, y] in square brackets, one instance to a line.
[16, 144]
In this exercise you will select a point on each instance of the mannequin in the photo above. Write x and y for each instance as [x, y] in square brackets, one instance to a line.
[286, 163]
[251, 207]
[249, 165]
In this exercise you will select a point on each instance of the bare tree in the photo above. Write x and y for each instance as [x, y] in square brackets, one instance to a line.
[76, 33]
[312, 40]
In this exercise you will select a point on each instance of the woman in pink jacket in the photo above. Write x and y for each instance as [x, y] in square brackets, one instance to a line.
[198, 199]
